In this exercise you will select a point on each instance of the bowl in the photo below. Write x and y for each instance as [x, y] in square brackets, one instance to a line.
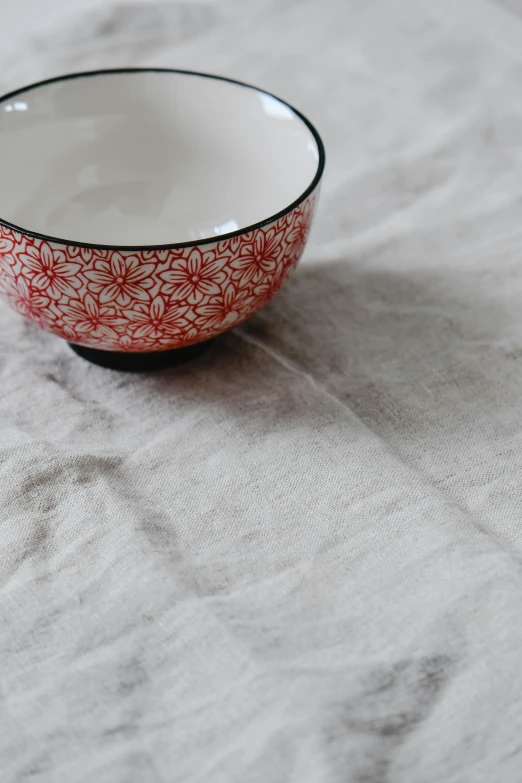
[145, 211]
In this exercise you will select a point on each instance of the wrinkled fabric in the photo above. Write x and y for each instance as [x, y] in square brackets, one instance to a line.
[298, 559]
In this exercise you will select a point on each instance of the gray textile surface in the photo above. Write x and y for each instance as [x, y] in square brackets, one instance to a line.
[300, 559]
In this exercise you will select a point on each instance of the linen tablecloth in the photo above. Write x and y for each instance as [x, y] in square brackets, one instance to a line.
[298, 559]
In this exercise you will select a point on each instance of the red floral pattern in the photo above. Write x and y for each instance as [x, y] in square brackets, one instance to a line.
[195, 277]
[259, 255]
[120, 279]
[153, 299]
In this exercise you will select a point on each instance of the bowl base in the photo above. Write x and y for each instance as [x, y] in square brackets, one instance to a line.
[141, 362]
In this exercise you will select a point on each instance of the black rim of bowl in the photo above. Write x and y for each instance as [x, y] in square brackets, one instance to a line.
[175, 245]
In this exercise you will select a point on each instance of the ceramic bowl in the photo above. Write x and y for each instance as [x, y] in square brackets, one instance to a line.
[144, 211]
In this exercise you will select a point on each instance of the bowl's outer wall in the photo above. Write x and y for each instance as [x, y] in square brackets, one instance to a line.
[150, 300]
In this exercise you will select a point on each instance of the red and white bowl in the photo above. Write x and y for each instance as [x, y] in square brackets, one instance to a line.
[146, 210]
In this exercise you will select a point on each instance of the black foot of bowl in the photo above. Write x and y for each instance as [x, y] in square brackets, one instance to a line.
[141, 362]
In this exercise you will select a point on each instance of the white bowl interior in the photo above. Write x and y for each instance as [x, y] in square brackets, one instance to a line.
[149, 158]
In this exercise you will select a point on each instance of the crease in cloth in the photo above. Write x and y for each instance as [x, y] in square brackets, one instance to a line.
[295, 370]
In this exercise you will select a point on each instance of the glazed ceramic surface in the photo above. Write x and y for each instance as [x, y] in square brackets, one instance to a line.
[149, 158]
[156, 209]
